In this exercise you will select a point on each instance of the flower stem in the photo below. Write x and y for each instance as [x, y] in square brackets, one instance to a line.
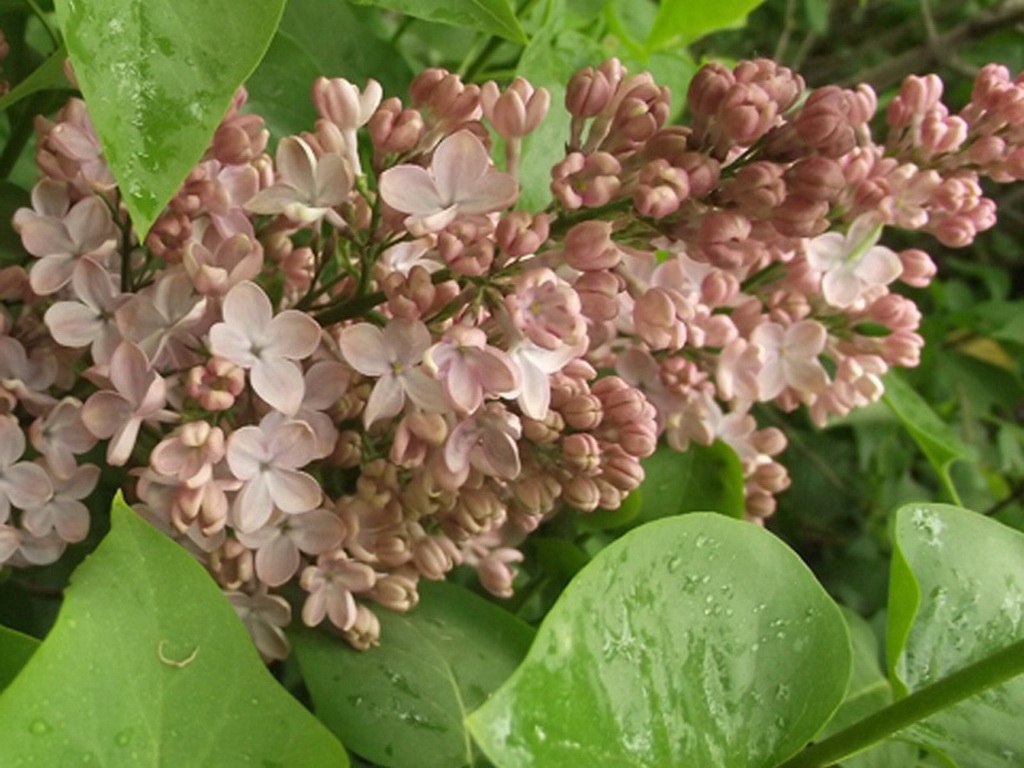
[964, 683]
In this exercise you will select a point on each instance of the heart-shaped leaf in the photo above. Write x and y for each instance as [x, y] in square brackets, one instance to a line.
[695, 640]
[957, 596]
[404, 703]
[148, 665]
[158, 76]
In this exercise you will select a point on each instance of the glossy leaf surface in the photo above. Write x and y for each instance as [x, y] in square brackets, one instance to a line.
[682, 21]
[957, 596]
[404, 703]
[673, 648]
[494, 17]
[158, 76]
[15, 650]
[148, 665]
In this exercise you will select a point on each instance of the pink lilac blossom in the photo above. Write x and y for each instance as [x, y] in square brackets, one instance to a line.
[356, 381]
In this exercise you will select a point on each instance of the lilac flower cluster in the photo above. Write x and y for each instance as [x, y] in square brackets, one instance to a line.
[354, 378]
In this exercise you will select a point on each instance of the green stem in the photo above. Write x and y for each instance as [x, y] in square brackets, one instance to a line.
[969, 681]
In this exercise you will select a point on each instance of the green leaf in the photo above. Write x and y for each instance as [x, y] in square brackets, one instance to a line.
[668, 650]
[279, 89]
[148, 665]
[404, 703]
[12, 197]
[493, 17]
[15, 650]
[680, 22]
[551, 56]
[158, 76]
[706, 478]
[956, 597]
[869, 691]
[47, 76]
[315, 25]
[933, 436]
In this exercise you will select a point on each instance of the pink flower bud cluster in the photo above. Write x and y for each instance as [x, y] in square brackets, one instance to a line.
[353, 378]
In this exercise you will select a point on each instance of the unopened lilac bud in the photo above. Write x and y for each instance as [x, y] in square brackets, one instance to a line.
[622, 470]
[758, 187]
[800, 217]
[825, 123]
[816, 178]
[582, 411]
[770, 441]
[702, 172]
[396, 592]
[364, 633]
[589, 246]
[521, 234]
[516, 112]
[393, 129]
[586, 180]
[582, 492]
[544, 432]
[918, 267]
[620, 401]
[588, 93]
[986, 150]
[746, 113]
[598, 292]
[708, 88]
[581, 452]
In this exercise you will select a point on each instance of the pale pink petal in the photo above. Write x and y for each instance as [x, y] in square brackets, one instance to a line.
[42, 550]
[279, 382]
[333, 182]
[272, 200]
[496, 370]
[362, 346]
[88, 222]
[119, 449]
[806, 338]
[104, 412]
[317, 532]
[50, 198]
[502, 453]
[290, 444]
[293, 491]
[51, 273]
[826, 251]
[410, 189]
[246, 452]
[341, 609]
[253, 505]
[806, 375]
[26, 484]
[232, 344]
[314, 608]
[386, 400]
[434, 221]
[326, 382]
[247, 309]
[459, 162]
[535, 393]
[71, 519]
[459, 445]
[292, 334]
[73, 324]
[296, 163]
[12, 442]
[463, 388]
[493, 191]
[879, 266]
[130, 372]
[424, 391]
[277, 561]
[407, 341]
[771, 380]
[44, 236]
[10, 540]
[840, 287]
[81, 483]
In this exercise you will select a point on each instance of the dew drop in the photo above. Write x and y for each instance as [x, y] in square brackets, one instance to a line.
[674, 564]
[122, 738]
[39, 727]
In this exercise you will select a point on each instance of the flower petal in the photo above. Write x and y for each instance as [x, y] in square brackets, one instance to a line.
[279, 382]
[293, 491]
[410, 189]
[362, 346]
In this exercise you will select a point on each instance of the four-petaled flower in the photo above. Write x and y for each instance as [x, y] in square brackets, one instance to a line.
[252, 337]
[460, 181]
[852, 263]
[22, 483]
[394, 356]
[309, 187]
[267, 458]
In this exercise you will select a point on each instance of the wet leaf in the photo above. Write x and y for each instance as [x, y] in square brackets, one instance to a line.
[705, 478]
[404, 702]
[148, 665]
[158, 76]
[957, 596]
[669, 649]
